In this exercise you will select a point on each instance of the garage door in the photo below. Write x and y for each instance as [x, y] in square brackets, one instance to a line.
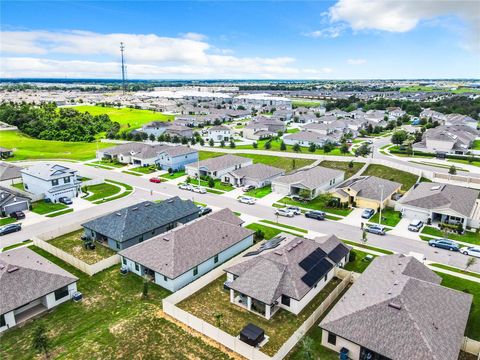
[282, 189]
[18, 206]
[415, 214]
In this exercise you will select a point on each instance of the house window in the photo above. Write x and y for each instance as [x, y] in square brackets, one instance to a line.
[332, 338]
[61, 293]
[66, 179]
[55, 182]
[2, 321]
[137, 267]
[165, 278]
[325, 278]
[140, 239]
[195, 271]
[285, 300]
[25, 186]
[124, 261]
[117, 245]
[170, 226]
[215, 259]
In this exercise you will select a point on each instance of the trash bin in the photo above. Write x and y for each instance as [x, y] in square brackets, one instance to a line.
[344, 353]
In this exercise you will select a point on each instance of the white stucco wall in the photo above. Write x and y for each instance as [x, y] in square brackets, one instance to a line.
[354, 352]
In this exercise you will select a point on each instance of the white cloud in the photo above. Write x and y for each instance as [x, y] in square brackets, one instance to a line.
[356, 61]
[87, 54]
[331, 32]
[193, 36]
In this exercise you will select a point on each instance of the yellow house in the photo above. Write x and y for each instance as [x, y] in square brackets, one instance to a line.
[367, 192]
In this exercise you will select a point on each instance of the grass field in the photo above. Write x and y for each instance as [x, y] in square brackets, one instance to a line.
[405, 178]
[344, 166]
[432, 89]
[454, 269]
[73, 244]
[29, 148]
[101, 191]
[306, 103]
[390, 217]
[174, 175]
[42, 207]
[58, 213]
[114, 321]
[144, 169]
[260, 192]
[316, 204]
[6, 220]
[126, 117]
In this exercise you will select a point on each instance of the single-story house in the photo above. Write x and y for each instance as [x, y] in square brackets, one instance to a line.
[441, 203]
[397, 309]
[258, 175]
[156, 128]
[137, 223]
[305, 138]
[309, 182]
[219, 133]
[367, 192]
[180, 131]
[182, 255]
[5, 153]
[11, 201]
[30, 285]
[458, 119]
[217, 167]
[9, 173]
[287, 277]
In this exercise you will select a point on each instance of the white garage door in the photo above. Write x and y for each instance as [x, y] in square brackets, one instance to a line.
[282, 189]
[415, 214]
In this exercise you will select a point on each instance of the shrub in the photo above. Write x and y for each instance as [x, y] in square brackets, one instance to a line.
[353, 256]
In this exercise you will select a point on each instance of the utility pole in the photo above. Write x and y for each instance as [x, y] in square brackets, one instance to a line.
[381, 205]
[122, 48]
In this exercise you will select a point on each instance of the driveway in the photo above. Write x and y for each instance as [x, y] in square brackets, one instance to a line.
[354, 218]
[233, 194]
[270, 199]
[402, 230]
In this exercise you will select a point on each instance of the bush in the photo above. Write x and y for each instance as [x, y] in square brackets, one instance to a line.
[353, 256]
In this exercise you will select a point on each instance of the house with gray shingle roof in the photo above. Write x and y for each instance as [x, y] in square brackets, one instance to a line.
[30, 285]
[9, 173]
[447, 139]
[286, 277]
[137, 223]
[397, 309]
[314, 180]
[217, 167]
[442, 203]
[307, 137]
[219, 133]
[258, 175]
[180, 256]
[11, 201]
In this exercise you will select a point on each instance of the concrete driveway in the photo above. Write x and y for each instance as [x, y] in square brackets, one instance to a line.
[354, 218]
[402, 230]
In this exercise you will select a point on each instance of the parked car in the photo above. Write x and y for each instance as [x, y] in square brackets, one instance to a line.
[204, 210]
[315, 214]
[18, 215]
[368, 213]
[10, 228]
[248, 188]
[471, 250]
[199, 189]
[415, 225]
[375, 229]
[295, 209]
[185, 186]
[247, 200]
[65, 200]
[155, 180]
[284, 212]
[369, 142]
[444, 244]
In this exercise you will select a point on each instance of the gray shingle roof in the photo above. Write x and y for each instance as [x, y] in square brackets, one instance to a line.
[269, 275]
[143, 217]
[221, 162]
[9, 171]
[258, 172]
[310, 178]
[179, 250]
[370, 187]
[48, 171]
[35, 277]
[434, 196]
[398, 309]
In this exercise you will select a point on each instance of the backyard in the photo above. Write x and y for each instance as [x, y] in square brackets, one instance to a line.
[213, 300]
[319, 203]
[344, 166]
[268, 232]
[102, 324]
[405, 178]
[73, 244]
[41, 207]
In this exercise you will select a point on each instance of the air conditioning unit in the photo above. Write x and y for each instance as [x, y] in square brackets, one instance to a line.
[77, 296]
[124, 270]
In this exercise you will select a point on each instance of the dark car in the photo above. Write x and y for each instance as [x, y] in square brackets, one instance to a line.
[444, 244]
[65, 200]
[10, 228]
[315, 214]
[368, 213]
[204, 210]
[375, 229]
[18, 215]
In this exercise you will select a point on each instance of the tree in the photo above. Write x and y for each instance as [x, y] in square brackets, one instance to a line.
[399, 137]
[184, 140]
[294, 164]
[151, 137]
[232, 144]
[268, 145]
[350, 164]
[312, 147]
[176, 139]
[364, 237]
[255, 145]
[327, 147]
[344, 149]
[211, 182]
[202, 142]
[259, 235]
[283, 146]
[222, 143]
[296, 147]
[470, 262]
[161, 138]
[193, 141]
[452, 170]
[211, 143]
[40, 341]
[218, 319]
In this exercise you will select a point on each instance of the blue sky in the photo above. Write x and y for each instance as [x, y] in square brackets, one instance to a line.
[341, 39]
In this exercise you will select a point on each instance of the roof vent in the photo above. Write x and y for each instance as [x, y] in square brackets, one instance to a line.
[147, 204]
[170, 201]
[435, 188]
[277, 252]
[299, 242]
[119, 214]
[2, 266]
[166, 239]
[135, 208]
[289, 248]
[12, 269]
[395, 306]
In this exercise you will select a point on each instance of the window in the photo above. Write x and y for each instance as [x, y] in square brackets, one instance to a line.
[140, 239]
[137, 267]
[170, 226]
[332, 338]
[55, 182]
[124, 261]
[215, 259]
[25, 186]
[117, 245]
[61, 293]
[165, 278]
[2, 321]
[325, 278]
[285, 300]
[66, 179]
[195, 271]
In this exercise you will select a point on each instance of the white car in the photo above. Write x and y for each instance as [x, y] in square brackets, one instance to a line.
[294, 209]
[471, 250]
[247, 200]
[284, 212]
[185, 186]
[199, 190]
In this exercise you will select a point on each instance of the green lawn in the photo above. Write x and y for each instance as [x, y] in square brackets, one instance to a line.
[72, 244]
[359, 264]
[174, 175]
[260, 192]
[101, 191]
[126, 117]
[454, 269]
[19, 186]
[390, 217]
[41, 207]
[109, 163]
[27, 148]
[218, 184]
[306, 103]
[344, 166]
[213, 299]
[275, 146]
[460, 161]
[405, 178]
[7, 220]
[132, 173]
[58, 213]
[113, 320]
[473, 326]
[144, 169]
[368, 247]
[294, 228]
[316, 204]
[468, 237]
[14, 246]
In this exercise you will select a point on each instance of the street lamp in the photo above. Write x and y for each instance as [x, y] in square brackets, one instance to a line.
[381, 205]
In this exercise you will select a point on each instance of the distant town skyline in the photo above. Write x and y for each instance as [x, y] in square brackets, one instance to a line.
[344, 39]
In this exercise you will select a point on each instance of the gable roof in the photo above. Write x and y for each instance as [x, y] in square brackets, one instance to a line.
[257, 172]
[370, 187]
[435, 196]
[48, 171]
[269, 275]
[181, 249]
[220, 162]
[9, 171]
[310, 178]
[140, 218]
[26, 276]
[398, 309]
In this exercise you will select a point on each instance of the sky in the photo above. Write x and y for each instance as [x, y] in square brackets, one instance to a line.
[342, 39]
